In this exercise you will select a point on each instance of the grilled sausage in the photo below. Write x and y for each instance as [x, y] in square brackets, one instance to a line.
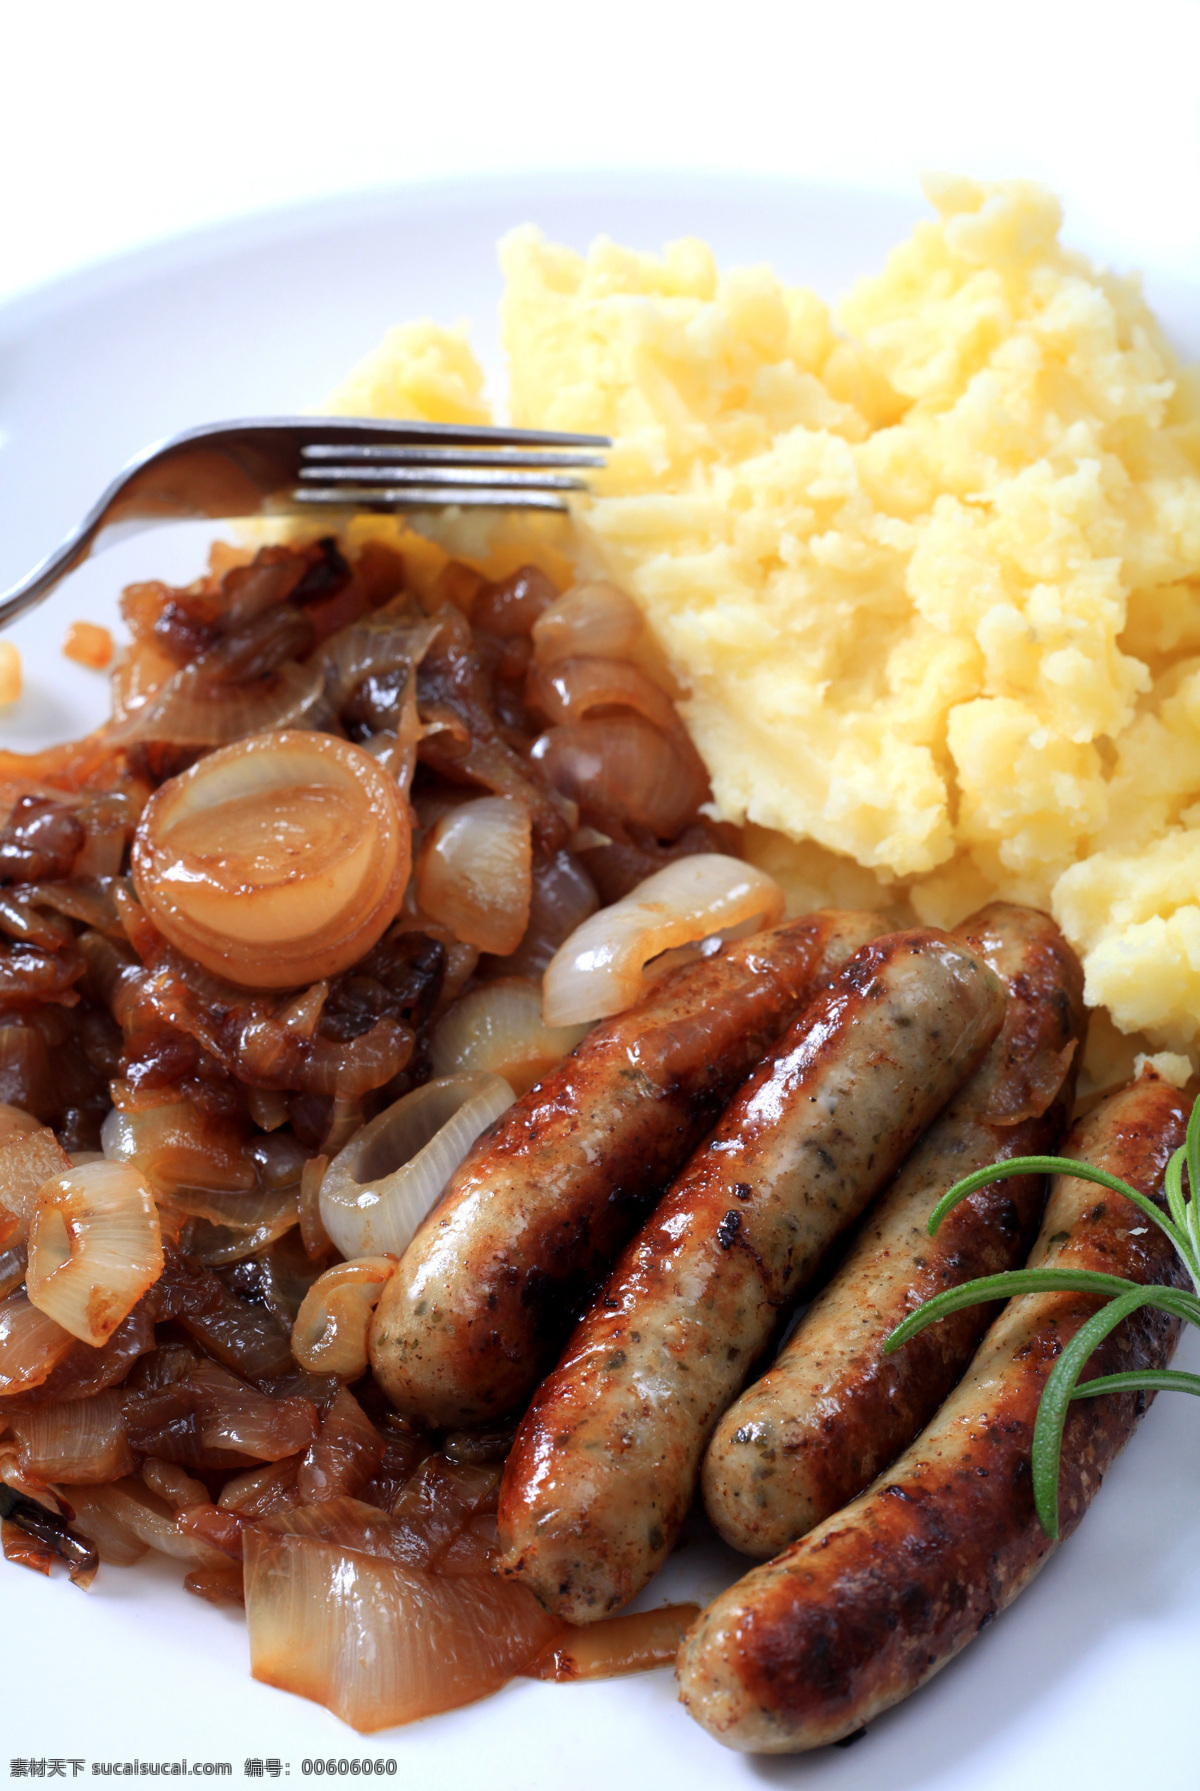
[605, 1462]
[833, 1410]
[490, 1285]
[874, 1601]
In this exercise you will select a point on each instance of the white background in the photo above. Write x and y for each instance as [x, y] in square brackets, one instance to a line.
[126, 121]
[123, 123]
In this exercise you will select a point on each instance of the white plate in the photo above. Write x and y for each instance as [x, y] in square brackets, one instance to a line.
[1090, 1678]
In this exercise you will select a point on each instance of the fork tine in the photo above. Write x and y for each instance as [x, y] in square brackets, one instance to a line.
[497, 478]
[369, 458]
[461, 435]
[425, 497]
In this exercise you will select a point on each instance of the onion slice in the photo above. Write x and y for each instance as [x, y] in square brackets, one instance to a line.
[379, 1188]
[330, 1333]
[570, 689]
[592, 619]
[191, 709]
[498, 1028]
[174, 1145]
[76, 1441]
[632, 1643]
[31, 1345]
[28, 1159]
[377, 1643]
[600, 969]
[475, 873]
[95, 1246]
[275, 862]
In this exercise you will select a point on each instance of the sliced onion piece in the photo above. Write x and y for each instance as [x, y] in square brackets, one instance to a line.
[238, 1417]
[16, 1123]
[623, 769]
[29, 1157]
[474, 873]
[599, 970]
[95, 1246]
[12, 1268]
[570, 689]
[261, 1490]
[344, 1456]
[330, 1333]
[172, 1483]
[594, 618]
[632, 1643]
[142, 1514]
[80, 1441]
[498, 1028]
[275, 862]
[192, 709]
[377, 1191]
[96, 1519]
[31, 1345]
[175, 1145]
[249, 1224]
[563, 895]
[377, 1643]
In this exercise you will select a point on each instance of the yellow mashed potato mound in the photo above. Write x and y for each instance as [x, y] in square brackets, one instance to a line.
[928, 571]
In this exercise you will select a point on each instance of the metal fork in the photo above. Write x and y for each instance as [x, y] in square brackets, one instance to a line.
[282, 465]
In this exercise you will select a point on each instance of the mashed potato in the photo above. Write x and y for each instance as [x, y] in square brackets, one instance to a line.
[929, 573]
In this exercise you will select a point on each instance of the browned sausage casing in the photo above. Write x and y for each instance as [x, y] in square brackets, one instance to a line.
[878, 1598]
[489, 1287]
[833, 1409]
[605, 1462]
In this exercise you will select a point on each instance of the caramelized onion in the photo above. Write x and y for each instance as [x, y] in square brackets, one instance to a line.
[248, 1339]
[81, 1441]
[261, 1490]
[592, 619]
[474, 872]
[12, 1269]
[344, 1455]
[563, 895]
[175, 1145]
[438, 1504]
[84, 1371]
[29, 1157]
[570, 689]
[31, 1345]
[497, 1028]
[377, 1191]
[95, 1246]
[330, 1333]
[377, 1643]
[631, 1643]
[193, 709]
[138, 675]
[316, 1239]
[623, 770]
[235, 1416]
[600, 968]
[349, 1522]
[275, 862]
[96, 1519]
[141, 1514]
[15, 1123]
[170, 1482]
[229, 1227]
[474, 1549]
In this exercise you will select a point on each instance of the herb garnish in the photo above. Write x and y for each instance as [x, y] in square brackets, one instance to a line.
[1122, 1295]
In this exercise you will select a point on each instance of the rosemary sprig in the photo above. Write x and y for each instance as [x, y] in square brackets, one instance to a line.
[1122, 1296]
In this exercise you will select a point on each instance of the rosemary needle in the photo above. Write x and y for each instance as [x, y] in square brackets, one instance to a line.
[1121, 1296]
